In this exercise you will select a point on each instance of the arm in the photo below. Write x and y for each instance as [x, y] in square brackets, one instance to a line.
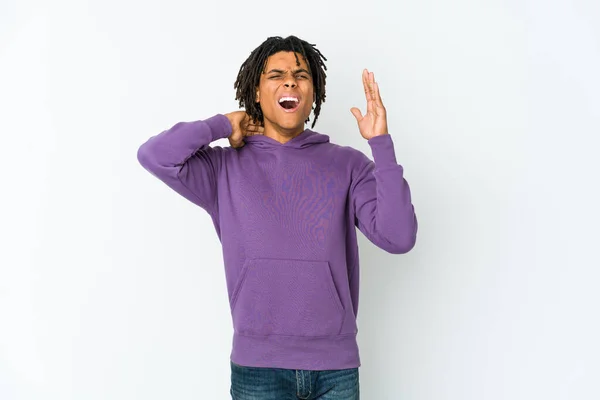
[382, 200]
[379, 192]
[182, 158]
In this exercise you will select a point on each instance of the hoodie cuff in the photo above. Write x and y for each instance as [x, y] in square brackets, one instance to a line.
[220, 127]
[383, 151]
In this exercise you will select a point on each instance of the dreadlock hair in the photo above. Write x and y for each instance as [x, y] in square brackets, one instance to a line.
[248, 78]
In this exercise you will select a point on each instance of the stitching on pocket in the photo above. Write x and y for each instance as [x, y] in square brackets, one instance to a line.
[323, 273]
[334, 293]
[238, 288]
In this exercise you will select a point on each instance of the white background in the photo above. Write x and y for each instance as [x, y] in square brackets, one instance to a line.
[112, 286]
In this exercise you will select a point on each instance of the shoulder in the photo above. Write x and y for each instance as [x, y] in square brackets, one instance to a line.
[349, 155]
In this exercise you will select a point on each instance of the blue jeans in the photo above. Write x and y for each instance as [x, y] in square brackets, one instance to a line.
[251, 383]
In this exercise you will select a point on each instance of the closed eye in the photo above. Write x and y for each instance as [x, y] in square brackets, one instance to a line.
[279, 76]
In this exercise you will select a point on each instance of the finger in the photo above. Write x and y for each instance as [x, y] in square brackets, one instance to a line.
[369, 78]
[367, 88]
[372, 85]
[365, 76]
[378, 100]
[357, 114]
[256, 128]
[252, 132]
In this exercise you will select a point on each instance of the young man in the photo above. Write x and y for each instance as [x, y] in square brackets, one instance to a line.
[285, 202]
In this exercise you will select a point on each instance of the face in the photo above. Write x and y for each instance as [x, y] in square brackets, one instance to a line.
[285, 93]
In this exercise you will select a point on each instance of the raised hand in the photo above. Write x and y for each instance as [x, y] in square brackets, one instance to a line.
[374, 122]
[242, 126]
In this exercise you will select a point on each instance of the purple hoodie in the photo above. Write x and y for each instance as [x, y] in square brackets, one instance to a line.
[285, 215]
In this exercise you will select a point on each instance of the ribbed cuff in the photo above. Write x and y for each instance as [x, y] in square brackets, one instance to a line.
[383, 151]
[220, 127]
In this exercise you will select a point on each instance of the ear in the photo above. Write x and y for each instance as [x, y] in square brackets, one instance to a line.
[258, 96]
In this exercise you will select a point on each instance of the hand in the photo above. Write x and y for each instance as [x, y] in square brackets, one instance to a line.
[374, 122]
[242, 126]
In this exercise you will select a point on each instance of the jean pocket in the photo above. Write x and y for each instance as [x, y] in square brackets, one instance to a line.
[286, 297]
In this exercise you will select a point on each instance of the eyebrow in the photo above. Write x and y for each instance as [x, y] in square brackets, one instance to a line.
[280, 71]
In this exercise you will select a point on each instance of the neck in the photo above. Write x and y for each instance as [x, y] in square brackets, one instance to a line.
[280, 134]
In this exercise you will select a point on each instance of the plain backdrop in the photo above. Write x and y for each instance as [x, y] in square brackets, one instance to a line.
[112, 286]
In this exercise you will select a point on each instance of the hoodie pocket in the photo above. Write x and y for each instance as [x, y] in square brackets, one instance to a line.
[286, 297]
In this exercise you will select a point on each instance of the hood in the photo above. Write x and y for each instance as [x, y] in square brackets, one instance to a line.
[305, 139]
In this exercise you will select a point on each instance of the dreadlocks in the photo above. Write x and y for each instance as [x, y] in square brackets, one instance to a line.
[248, 77]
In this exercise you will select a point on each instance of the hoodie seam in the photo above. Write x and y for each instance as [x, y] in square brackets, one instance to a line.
[209, 208]
[296, 336]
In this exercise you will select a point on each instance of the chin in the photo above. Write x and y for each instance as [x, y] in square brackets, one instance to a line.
[290, 125]
[291, 130]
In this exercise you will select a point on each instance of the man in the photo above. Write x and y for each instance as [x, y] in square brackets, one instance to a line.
[285, 202]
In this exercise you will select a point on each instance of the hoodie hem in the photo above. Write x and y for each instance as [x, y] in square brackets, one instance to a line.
[296, 352]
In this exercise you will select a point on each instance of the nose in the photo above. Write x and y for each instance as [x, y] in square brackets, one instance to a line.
[290, 82]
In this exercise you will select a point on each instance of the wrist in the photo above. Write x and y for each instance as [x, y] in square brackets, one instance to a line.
[220, 126]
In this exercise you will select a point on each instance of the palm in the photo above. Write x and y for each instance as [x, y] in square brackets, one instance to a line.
[374, 122]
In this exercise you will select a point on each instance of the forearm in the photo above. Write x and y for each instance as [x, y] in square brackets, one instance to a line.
[384, 206]
[173, 147]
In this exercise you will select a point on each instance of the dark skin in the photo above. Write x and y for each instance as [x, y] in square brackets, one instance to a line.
[283, 77]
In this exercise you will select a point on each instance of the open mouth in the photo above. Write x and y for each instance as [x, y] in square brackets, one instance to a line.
[289, 104]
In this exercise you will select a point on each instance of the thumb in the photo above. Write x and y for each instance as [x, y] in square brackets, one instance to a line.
[357, 114]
